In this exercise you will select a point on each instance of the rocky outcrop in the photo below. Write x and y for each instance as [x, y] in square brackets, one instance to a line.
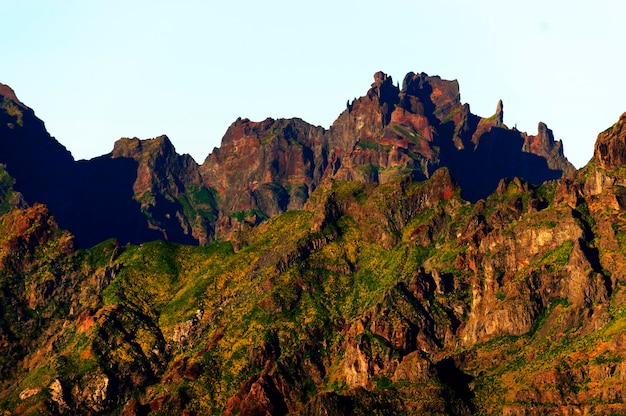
[610, 147]
[260, 396]
[265, 168]
[39, 164]
[169, 189]
[424, 126]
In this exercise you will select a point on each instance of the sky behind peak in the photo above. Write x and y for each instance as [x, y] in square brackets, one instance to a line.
[98, 71]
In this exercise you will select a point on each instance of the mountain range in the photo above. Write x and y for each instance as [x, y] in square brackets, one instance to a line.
[143, 190]
[414, 258]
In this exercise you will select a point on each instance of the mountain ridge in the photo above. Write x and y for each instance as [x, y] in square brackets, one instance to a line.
[264, 168]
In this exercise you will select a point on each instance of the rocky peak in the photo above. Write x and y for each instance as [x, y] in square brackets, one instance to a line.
[7, 93]
[244, 133]
[383, 88]
[440, 95]
[546, 136]
[500, 114]
[610, 147]
[379, 78]
[545, 146]
[242, 128]
[134, 148]
[264, 168]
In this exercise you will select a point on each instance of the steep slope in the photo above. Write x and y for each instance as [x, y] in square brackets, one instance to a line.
[40, 165]
[263, 169]
[169, 188]
[394, 298]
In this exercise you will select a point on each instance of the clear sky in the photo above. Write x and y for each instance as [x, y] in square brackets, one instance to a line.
[98, 70]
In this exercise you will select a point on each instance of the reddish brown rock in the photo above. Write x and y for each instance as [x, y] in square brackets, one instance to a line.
[258, 397]
[271, 165]
[610, 147]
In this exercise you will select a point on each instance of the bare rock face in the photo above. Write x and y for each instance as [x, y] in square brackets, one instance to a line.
[423, 126]
[269, 166]
[58, 397]
[545, 146]
[500, 114]
[503, 255]
[93, 393]
[264, 168]
[258, 397]
[610, 148]
[26, 393]
[169, 190]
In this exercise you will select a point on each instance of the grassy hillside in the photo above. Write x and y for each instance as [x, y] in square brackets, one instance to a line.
[384, 299]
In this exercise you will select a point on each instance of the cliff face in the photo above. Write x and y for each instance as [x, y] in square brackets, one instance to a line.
[142, 191]
[396, 298]
[424, 126]
[263, 169]
[169, 189]
[610, 148]
[40, 165]
[389, 132]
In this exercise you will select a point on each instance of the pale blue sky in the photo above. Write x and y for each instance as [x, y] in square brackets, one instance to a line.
[96, 71]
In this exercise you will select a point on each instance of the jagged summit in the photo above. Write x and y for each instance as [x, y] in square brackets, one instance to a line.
[500, 114]
[127, 147]
[7, 93]
[264, 168]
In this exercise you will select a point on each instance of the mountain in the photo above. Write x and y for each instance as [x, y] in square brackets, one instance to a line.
[143, 190]
[355, 271]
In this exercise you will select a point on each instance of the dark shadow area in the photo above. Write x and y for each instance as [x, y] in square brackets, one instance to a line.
[498, 155]
[94, 199]
[476, 168]
[457, 381]
[103, 205]
[37, 162]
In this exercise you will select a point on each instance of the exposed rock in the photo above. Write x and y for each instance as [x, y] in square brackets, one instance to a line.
[183, 333]
[357, 364]
[389, 294]
[258, 397]
[92, 393]
[144, 190]
[414, 368]
[58, 397]
[26, 393]
[610, 147]
[131, 408]
[500, 114]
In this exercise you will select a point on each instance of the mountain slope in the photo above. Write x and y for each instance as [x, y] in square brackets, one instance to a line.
[392, 298]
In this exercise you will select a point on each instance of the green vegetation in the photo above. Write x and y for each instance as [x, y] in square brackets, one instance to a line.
[6, 191]
[368, 145]
[13, 110]
[370, 274]
[369, 169]
[242, 216]
[452, 114]
[412, 135]
[199, 201]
